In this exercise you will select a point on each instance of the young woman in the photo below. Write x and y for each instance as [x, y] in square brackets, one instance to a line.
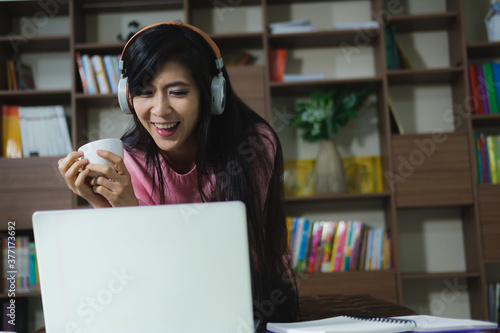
[182, 149]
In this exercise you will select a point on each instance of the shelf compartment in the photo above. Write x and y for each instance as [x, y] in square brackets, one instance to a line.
[379, 284]
[30, 8]
[306, 87]
[478, 50]
[238, 40]
[422, 22]
[489, 213]
[31, 184]
[40, 43]
[431, 170]
[33, 97]
[424, 76]
[326, 38]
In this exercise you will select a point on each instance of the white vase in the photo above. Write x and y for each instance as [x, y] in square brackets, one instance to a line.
[329, 176]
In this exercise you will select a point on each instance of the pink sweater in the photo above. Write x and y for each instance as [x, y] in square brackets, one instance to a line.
[182, 188]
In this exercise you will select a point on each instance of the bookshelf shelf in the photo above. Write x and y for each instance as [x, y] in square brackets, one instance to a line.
[100, 48]
[486, 119]
[440, 275]
[30, 97]
[323, 38]
[424, 76]
[423, 22]
[41, 43]
[379, 284]
[195, 4]
[483, 50]
[97, 99]
[306, 87]
[96, 6]
[337, 197]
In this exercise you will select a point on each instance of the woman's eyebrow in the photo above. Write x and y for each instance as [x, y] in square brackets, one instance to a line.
[177, 84]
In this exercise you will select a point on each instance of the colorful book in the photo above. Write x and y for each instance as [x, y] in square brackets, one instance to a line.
[495, 69]
[483, 93]
[81, 71]
[11, 132]
[328, 236]
[363, 174]
[356, 247]
[490, 88]
[100, 74]
[347, 246]
[492, 157]
[337, 258]
[474, 89]
[315, 249]
[304, 246]
[298, 177]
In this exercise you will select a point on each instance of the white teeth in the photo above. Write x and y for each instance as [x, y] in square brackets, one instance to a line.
[166, 126]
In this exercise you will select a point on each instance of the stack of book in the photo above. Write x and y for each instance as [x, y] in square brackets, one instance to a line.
[488, 158]
[484, 81]
[396, 57]
[19, 75]
[291, 27]
[493, 301]
[98, 74]
[19, 258]
[34, 131]
[336, 246]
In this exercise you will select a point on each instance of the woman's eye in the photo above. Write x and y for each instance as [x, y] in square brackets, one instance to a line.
[144, 93]
[178, 93]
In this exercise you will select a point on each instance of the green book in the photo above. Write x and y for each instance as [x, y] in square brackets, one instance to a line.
[490, 88]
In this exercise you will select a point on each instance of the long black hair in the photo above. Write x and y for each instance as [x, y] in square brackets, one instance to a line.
[231, 147]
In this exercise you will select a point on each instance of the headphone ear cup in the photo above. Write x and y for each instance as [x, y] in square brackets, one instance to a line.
[123, 96]
[218, 94]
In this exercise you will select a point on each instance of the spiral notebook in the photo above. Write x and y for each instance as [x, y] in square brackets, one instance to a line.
[417, 323]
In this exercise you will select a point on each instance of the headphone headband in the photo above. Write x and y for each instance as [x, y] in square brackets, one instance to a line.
[218, 58]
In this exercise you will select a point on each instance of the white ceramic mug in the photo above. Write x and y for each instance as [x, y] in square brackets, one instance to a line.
[90, 152]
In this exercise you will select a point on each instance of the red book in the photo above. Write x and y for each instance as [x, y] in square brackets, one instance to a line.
[82, 72]
[477, 106]
[278, 64]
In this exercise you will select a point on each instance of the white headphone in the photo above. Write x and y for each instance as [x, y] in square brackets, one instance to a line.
[218, 85]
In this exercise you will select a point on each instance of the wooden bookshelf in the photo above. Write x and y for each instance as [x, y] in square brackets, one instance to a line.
[445, 179]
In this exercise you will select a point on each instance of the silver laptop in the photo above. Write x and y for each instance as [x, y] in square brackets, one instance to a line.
[171, 268]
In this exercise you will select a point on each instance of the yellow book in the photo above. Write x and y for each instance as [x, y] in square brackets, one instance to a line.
[11, 132]
[490, 143]
[363, 174]
[298, 177]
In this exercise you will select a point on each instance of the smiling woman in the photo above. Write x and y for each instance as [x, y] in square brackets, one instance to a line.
[194, 140]
[168, 110]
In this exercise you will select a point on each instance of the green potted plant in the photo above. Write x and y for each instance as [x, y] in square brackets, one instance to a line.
[319, 118]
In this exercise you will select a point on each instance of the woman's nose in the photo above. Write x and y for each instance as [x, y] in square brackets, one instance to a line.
[161, 105]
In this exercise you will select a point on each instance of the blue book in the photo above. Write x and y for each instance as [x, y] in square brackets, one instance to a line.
[495, 69]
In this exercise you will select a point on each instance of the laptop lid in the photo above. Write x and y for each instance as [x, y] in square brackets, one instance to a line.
[169, 268]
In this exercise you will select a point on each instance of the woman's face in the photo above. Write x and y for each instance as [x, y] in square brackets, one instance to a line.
[169, 109]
